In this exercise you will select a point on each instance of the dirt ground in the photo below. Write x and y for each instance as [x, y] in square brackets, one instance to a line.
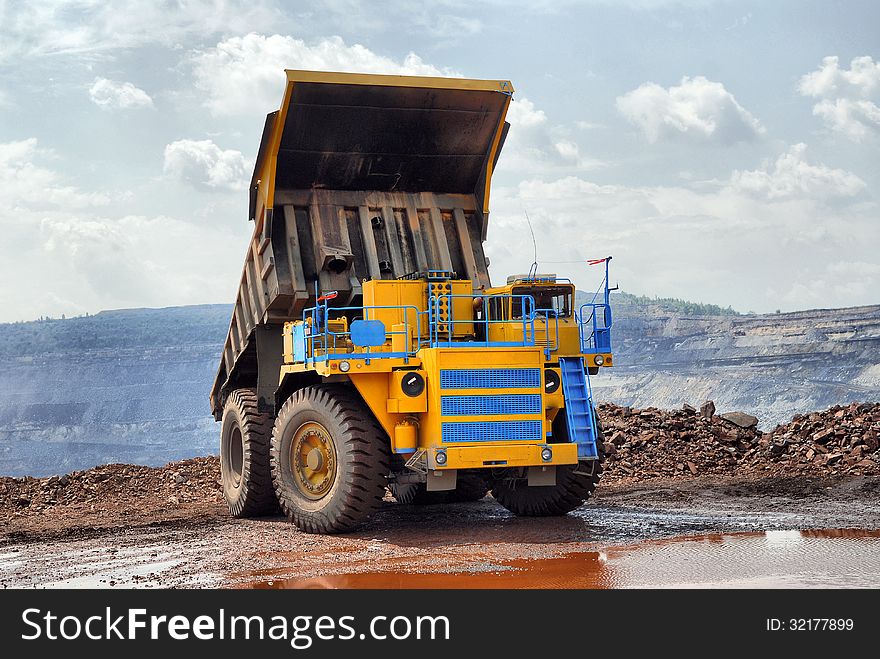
[669, 475]
[197, 544]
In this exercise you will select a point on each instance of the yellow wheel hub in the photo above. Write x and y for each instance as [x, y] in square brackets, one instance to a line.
[313, 460]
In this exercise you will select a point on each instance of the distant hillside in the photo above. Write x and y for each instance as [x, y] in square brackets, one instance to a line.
[626, 301]
[121, 328]
[671, 305]
[121, 386]
[774, 365]
[132, 385]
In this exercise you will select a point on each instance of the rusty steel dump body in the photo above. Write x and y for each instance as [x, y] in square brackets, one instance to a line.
[359, 177]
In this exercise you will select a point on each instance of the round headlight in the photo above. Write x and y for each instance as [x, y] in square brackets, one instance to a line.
[546, 454]
[598, 360]
[551, 381]
[412, 383]
[440, 458]
[344, 366]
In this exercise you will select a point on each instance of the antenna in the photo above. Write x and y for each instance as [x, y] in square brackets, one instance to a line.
[533, 270]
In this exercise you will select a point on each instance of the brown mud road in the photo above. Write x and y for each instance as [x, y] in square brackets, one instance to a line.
[686, 498]
[704, 531]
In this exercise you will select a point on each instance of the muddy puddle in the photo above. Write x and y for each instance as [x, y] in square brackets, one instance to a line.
[835, 558]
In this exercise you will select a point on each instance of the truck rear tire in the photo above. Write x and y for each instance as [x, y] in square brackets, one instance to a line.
[244, 456]
[574, 483]
[469, 487]
[404, 493]
[330, 459]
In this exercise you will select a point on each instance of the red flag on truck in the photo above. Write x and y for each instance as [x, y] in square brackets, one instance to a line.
[596, 261]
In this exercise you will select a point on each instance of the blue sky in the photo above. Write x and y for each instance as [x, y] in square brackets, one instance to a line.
[723, 152]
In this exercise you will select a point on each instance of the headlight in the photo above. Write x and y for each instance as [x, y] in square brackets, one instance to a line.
[546, 454]
[344, 366]
[551, 381]
[412, 384]
[598, 360]
[440, 458]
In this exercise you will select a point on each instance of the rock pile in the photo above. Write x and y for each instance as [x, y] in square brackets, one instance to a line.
[652, 443]
[114, 487]
[640, 444]
[840, 439]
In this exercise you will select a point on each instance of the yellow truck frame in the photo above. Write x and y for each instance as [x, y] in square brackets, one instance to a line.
[367, 348]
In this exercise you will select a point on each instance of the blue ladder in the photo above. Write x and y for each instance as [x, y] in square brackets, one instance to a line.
[579, 407]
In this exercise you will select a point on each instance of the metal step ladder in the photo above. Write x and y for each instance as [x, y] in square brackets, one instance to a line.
[579, 407]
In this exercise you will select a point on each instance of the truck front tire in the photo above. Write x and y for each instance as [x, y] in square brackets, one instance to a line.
[244, 456]
[330, 459]
[574, 483]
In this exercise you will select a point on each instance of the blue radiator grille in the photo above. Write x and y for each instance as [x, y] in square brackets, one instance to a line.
[507, 405]
[492, 431]
[490, 378]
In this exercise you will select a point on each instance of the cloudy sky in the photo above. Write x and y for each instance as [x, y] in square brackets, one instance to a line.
[723, 152]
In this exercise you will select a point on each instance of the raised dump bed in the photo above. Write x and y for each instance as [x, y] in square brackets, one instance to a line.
[359, 177]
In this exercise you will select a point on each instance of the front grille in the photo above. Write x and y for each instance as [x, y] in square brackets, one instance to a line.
[506, 405]
[492, 431]
[490, 378]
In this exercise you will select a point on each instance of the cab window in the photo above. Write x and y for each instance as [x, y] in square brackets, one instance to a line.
[551, 300]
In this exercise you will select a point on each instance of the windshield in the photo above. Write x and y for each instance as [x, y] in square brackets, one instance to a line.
[549, 300]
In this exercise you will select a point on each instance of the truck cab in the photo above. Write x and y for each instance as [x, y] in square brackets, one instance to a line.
[560, 327]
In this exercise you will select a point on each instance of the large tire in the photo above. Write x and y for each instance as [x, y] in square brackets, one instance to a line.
[244, 456]
[574, 484]
[404, 493]
[469, 487]
[330, 459]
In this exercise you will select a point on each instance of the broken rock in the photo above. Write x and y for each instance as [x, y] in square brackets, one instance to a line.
[740, 419]
[823, 436]
[707, 409]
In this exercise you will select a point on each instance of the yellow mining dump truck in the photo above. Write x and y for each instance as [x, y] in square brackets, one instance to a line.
[367, 349]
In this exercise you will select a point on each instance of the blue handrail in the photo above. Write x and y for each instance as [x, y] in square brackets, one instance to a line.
[598, 321]
[549, 313]
[442, 325]
[321, 344]
[315, 341]
[598, 338]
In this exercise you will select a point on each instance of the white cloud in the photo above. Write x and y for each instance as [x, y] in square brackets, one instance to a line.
[450, 26]
[92, 27]
[26, 183]
[588, 125]
[846, 97]
[535, 144]
[855, 119]
[568, 150]
[698, 108]
[203, 164]
[135, 260]
[792, 176]
[245, 75]
[758, 240]
[854, 269]
[862, 79]
[118, 95]
[80, 255]
[523, 114]
[740, 22]
[832, 285]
